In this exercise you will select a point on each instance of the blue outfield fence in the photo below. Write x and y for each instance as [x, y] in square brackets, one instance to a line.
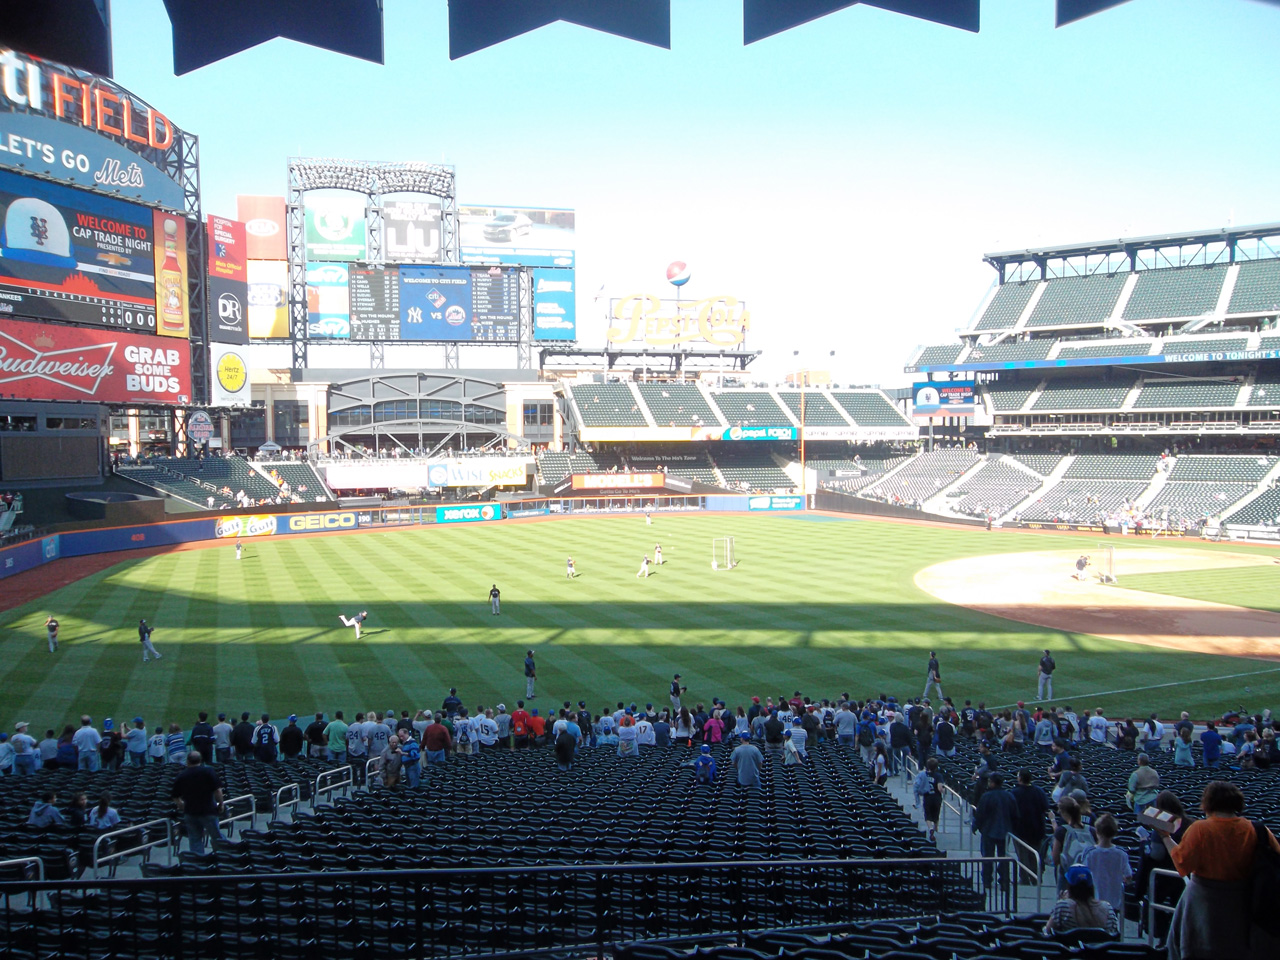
[79, 543]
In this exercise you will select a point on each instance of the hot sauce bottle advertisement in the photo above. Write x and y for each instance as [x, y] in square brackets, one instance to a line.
[172, 318]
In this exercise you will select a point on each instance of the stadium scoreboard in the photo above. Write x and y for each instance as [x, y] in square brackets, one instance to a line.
[375, 303]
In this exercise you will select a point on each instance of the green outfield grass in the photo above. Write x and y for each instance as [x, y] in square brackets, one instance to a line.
[818, 605]
[1255, 587]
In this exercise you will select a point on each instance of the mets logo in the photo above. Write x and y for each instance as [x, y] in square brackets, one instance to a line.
[486, 513]
[40, 230]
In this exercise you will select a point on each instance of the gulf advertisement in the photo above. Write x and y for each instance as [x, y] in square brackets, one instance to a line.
[264, 227]
[170, 251]
[85, 130]
[229, 375]
[328, 301]
[555, 314]
[953, 398]
[70, 255]
[528, 236]
[230, 528]
[268, 299]
[334, 229]
[41, 361]
[228, 296]
[469, 513]
[411, 231]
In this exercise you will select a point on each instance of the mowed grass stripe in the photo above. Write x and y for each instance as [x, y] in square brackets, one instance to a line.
[820, 607]
[1255, 587]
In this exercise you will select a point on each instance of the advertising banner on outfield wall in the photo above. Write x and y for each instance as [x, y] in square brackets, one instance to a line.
[759, 433]
[617, 481]
[775, 503]
[231, 527]
[469, 513]
[416, 474]
[228, 295]
[264, 227]
[46, 361]
[229, 375]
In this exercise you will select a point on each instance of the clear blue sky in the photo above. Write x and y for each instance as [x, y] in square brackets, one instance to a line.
[844, 177]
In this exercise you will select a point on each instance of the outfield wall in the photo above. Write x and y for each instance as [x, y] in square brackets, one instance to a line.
[243, 525]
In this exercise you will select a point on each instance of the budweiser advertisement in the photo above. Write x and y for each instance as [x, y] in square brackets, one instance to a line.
[617, 481]
[45, 361]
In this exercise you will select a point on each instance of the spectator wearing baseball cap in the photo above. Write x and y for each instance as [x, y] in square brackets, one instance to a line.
[1081, 909]
[24, 750]
[135, 743]
[292, 739]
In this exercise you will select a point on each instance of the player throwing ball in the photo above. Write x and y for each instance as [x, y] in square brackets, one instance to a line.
[51, 626]
[644, 567]
[570, 570]
[355, 621]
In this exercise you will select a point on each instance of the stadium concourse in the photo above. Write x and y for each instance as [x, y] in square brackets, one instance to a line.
[804, 817]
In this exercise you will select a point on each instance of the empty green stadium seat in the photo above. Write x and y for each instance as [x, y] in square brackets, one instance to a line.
[607, 405]
[1186, 394]
[1006, 306]
[677, 404]
[1175, 292]
[1113, 466]
[939, 354]
[1010, 351]
[751, 408]
[818, 410]
[1083, 395]
[1114, 348]
[1257, 288]
[870, 408]
[1246, 469]
[1072, 300]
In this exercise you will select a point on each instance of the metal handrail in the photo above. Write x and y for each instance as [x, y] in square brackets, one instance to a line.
[26, 862]
[339, 778]
[960, 811]
[1151, 906]
[280, 803]
[372, 768]
[1036, 876]
[247, 815]
[142, 848]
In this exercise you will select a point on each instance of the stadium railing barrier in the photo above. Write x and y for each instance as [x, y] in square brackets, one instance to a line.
[145, 847]
[249, 814]
[508, 911]
[28, 868]
[1033, 875]
[1151, 907]
[291, 791]
[332, 781]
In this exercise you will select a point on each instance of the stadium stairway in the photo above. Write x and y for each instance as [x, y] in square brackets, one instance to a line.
[1157, 484]
[1050, 482]
[1266, 483]
[940, 502]
[1131, 397]
[641, 405]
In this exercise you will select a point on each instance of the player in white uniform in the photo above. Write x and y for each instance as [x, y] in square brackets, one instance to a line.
[355, 621]
[144, 635]
[239, 549]
[51, 625]
[570, 570]
[657, 554]
[644, 567]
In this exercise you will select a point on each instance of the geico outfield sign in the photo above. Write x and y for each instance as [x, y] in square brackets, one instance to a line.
[716, 321]
[311, 522]
[469, 513]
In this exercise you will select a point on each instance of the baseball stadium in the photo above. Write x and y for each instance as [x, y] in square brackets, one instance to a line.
[380, 594]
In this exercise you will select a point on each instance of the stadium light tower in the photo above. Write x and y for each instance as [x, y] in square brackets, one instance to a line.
[803, 375]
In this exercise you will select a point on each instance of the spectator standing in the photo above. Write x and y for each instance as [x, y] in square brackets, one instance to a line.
[335, 735]
[1211, 741]
[437, 741]
[928, 792]
[1108, 864]
[1216, 856]
[48, 749]
[222, 731]
[747, 763]
[6, 756]
[292, 739]
[202, 737]
[135, 743]
[1166, 890]
[1032, 828]
[266, 741]
[24, 750]
[995, 818]
[198, 796]
[315, 738]
[1182, 755]
[1144, 784]
[242, 738]
[87, 741]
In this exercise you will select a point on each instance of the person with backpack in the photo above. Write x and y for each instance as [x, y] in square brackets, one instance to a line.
[927, 789]
[1071, 840]
[266, 739]
[1232, 868]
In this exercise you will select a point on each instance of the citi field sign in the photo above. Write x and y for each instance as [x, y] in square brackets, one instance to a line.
[83, 129]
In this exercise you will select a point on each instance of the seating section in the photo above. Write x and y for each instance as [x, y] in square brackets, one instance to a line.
[925, 476]
[1194, 394]
[1091, 501]
[1007, 305]
[692, 465]
[165, 481]
[1188, 501]
[1266, 391]
[870, 408]
[850, 476]
[554, 467]
[1175, 292]
[1008, 397]
[1222, 469]
[1113, 466]
[677, 404]
[1077, 300]
[994, 490]
[1042, 463]
[1204, 345]
[939, 354]
[1257, 288]
[751, 469]
[607, 405]
[1269, 343]
[233, 472]
[1112, 348]
[301, 478]
[1083, 394]
[1262, 511]
[747, 408]
[1010, 351]
[818, 410]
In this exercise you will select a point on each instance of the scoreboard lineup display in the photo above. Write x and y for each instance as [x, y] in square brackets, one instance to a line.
[424, 303]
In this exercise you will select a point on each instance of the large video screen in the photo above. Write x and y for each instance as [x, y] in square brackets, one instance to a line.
[459, 303]
[70, 255]
[529, 236]
[375, 303]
